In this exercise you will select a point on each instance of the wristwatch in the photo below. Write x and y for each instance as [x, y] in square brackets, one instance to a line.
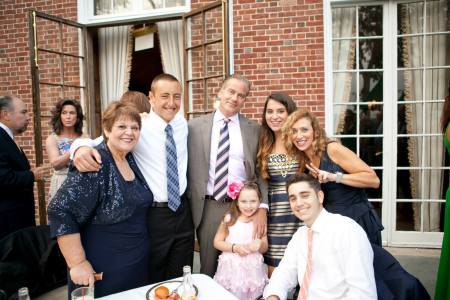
[339, 176]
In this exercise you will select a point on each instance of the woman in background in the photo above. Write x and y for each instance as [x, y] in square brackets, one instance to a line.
[276, 167]
[67, 125]
[443, 275]
[342, 174]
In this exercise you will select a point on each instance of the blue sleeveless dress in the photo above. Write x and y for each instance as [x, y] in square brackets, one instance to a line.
[350, 202]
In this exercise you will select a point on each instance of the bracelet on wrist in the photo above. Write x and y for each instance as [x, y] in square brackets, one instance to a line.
[232, 247]
[339, 176]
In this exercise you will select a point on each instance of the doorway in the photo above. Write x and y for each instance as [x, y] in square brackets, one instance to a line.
[145, 65]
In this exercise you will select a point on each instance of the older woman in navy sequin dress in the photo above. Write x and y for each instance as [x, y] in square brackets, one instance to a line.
[99, 218]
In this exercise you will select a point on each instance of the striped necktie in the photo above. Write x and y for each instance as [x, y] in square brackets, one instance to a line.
[306, 278]
[221, 177]
[173, 187]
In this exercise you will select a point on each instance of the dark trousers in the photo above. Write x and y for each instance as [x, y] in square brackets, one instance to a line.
[171, 241]
[15, 219]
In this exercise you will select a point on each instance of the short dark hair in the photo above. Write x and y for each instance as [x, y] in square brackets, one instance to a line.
[6, 102]
[55, 121]
[116, 110]
[160, 77]
[240, 78]
[303, 177]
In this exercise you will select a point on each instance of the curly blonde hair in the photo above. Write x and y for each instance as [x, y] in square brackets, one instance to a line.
[319, 143]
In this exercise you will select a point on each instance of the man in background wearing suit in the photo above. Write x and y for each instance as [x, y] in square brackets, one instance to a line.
[16, 177]
[222, 148]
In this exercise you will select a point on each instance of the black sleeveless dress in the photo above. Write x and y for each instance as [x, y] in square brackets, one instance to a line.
[350, 201]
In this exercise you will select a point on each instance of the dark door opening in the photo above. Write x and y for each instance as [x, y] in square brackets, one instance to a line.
[145, 65]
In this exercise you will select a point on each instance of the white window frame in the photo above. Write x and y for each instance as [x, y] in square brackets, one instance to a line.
[86, 13]
[390, 236]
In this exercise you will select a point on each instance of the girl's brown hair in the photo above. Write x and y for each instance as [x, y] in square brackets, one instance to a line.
[319, 143]
[234, 211]
[267, 136]
[137, 98]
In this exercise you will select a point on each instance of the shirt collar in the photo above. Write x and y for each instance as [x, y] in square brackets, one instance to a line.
[320, 223]
[160, 122]
[8, 131]
[218, 116]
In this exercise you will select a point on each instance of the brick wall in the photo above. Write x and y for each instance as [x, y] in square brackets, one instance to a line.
[279, 46]
[15, 76]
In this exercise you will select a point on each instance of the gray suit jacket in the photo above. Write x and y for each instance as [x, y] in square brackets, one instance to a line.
[199, 149]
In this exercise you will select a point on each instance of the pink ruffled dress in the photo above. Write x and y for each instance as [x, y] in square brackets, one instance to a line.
[244, 276]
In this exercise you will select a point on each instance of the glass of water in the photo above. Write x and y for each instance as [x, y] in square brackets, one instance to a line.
[83, 293]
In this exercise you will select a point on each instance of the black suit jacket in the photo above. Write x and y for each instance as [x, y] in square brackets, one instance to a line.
[16, 187]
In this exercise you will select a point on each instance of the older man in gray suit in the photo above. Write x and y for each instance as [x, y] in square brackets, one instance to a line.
[222, 148]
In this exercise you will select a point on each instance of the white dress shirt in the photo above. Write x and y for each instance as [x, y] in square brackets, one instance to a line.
[8, 131]
[150, 152]
[236, 167]
[342, 262]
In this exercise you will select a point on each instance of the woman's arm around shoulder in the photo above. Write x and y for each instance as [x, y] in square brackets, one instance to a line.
[359, 174]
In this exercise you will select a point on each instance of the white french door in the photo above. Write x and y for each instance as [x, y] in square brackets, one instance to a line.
[388, 68]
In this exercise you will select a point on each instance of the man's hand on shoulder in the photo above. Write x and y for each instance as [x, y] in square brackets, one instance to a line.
[87, 159]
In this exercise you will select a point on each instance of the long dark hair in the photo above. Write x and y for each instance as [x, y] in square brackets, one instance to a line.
[267, 136]
[55, 121]
[445, 116]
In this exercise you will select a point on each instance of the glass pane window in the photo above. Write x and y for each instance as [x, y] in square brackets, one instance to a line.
[423, 73]
[114, 7]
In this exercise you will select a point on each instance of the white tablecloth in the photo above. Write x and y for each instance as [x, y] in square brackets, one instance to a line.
[208, 289]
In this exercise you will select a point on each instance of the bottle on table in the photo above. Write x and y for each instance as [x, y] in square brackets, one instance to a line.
[23, 294]
[187, 288]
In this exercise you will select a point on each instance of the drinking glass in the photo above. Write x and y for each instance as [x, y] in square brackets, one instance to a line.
[83, 293]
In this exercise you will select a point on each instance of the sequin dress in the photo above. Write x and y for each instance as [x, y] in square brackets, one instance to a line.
[111, 216]
[350, 201]
[282, 223]
[60, 175]
[243, 276]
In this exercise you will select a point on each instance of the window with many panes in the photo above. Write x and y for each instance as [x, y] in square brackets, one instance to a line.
[390, 71]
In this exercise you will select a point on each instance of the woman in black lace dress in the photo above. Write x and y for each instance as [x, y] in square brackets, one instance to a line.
[99, 218]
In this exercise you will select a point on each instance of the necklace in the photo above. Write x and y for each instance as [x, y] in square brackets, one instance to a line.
[282, 163]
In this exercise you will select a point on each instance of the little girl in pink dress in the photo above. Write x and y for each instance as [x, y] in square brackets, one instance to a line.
[241, 267]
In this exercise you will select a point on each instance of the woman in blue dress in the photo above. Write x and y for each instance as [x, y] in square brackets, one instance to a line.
[99, 218]
[67, 125]
[276, 166]
[342, 174]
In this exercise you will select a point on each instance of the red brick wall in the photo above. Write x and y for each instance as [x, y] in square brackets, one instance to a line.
[15, 76]
[279, 46]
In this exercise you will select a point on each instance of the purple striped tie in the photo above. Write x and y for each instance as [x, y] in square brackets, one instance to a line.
[221, 178]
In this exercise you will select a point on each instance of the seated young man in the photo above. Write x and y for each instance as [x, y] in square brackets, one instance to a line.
[330, 257]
